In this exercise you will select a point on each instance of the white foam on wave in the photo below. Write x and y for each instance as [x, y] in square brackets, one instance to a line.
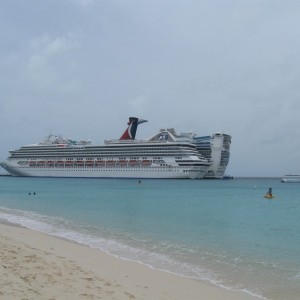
[26, 219]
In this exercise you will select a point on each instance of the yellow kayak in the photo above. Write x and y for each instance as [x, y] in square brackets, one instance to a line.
[269, 196]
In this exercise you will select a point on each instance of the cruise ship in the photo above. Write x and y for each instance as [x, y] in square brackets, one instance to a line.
[216, 149]
[158, 157]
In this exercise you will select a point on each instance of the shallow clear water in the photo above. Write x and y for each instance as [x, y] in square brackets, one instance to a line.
[221, 231]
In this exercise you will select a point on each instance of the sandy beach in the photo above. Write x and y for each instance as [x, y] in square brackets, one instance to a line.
[37, 266]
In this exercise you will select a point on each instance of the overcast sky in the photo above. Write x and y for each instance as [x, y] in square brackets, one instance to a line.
[80, 68]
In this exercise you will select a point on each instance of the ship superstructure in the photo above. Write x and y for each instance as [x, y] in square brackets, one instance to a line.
[216, 149]
[122, 158]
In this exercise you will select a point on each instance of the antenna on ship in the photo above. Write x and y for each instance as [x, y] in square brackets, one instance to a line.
[130, 132]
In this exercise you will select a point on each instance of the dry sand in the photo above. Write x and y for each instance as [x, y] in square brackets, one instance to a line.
[37, 266]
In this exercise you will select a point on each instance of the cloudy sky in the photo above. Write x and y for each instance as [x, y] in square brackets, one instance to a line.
[80, 68]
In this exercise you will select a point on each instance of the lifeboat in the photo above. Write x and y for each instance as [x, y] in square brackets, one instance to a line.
[122, 163]
[110, 163]
[40, 163]
[79, 163]
[146, 162]
[32, 163]
[59, 163]
[49, 163]
[133, 162]
[99, 163]
[89, 163]
[68, 163]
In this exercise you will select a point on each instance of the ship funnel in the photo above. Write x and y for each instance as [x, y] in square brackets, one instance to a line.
[130, 132]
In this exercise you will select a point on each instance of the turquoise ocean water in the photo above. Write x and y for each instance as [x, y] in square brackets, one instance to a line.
[221, 231]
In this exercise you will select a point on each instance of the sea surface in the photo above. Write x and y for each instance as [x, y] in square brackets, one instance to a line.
[221, 231]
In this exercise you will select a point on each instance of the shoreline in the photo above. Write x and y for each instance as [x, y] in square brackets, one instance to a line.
[34, 264]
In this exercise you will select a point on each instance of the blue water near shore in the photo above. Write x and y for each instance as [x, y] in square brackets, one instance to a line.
[221, 231]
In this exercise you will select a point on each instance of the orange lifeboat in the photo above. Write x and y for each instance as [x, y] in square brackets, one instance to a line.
[99, 163]
[122, 163]
[133, 162]
[110, 163]
[89, 163]
[146, 162]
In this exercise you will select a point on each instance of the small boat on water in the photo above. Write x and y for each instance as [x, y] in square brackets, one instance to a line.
[268, 196]
[291, 178]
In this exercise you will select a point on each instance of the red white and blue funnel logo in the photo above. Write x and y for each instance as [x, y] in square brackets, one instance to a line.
[130, 132]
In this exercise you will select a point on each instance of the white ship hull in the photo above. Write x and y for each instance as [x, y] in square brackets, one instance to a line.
[108, 172]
